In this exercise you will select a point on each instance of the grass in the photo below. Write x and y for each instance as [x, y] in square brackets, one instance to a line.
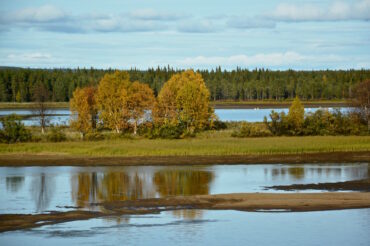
[208, 143]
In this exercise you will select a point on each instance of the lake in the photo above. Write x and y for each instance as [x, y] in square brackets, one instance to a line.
[62, 116]
[39, 189]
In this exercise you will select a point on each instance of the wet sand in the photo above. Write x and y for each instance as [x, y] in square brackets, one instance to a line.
[260, 202]
[354, 185]
[68, 160]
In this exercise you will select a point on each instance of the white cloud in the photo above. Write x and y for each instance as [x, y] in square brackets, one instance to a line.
[27, 57]
[197, 26]
[342, 11]
[46, 13]
[258, 60]
[242, 22]
[151, 14]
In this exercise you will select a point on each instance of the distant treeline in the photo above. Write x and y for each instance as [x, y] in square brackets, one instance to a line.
[16, 84]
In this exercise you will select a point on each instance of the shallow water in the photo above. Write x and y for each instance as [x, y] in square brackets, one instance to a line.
[251, 115]
[199, 227]
[39, 189]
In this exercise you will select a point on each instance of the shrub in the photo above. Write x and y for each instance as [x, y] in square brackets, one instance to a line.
[251, 130]
[167, 131]
[13, 130]
[56, 134]
[93, 136]
[218, 125]
[279, 124]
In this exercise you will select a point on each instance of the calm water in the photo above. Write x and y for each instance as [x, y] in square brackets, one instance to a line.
[251, 115]
[197, 227]
[39, 189]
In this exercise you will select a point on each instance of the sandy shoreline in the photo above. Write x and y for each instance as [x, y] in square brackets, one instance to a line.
[68, 160]
[258, 202]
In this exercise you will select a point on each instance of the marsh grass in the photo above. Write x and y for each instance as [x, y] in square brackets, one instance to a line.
[206, 143]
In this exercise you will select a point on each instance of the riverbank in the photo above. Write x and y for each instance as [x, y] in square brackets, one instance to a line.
[207, 148]
[257, 202]
[65, 160]
[215, 104]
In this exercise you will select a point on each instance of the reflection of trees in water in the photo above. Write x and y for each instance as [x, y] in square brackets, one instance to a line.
[183, 182]
[188, 213]
[13, 184]
[110, 186]
[294, 172]
[119, 186]
[299, 172]
[42, 188]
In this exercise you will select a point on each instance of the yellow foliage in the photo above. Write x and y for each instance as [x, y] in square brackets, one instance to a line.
[140, 98]
[184, 99]
[296, 115]
[84, 110]
[112, 100]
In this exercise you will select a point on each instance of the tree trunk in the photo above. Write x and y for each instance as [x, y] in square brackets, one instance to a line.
[135, 127]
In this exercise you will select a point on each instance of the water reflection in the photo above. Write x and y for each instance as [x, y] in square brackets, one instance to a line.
[301, 172]
[183, 182]
[35, 189]
[13, 184]
[109, 186]
[42, 189]
[113, 185]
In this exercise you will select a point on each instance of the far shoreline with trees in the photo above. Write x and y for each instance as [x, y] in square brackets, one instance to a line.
[107, 121]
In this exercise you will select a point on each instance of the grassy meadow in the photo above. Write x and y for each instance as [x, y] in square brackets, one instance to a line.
[207, 143]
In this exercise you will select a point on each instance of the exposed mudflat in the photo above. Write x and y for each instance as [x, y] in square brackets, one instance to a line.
[68, 160]
[355, 185]
[237, 201]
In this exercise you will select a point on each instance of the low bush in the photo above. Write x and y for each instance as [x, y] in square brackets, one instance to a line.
[56, 134]
[93, 136]
[12, 130]
[167, 131]
[251, 130]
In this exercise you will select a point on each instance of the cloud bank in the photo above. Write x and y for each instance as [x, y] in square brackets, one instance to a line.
[55, 19]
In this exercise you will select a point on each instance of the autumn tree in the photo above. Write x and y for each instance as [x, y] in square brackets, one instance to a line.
[84, 110]
[112, 99]
[361, 100]
[296, 116]
[140, 97]
[184, 99]
[41, 97]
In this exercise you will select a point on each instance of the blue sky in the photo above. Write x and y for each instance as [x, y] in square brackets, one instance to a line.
[270, 34]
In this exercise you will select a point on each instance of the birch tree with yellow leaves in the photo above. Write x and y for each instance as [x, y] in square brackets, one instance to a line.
[112, 100]
[84, 110]
[139, 99]
[184, 99]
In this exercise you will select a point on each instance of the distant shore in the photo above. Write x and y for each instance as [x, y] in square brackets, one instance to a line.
[215, 104]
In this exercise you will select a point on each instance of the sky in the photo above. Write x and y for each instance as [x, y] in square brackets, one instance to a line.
[199, 34]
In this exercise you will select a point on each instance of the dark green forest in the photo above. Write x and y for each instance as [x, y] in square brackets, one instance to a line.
[17, 84]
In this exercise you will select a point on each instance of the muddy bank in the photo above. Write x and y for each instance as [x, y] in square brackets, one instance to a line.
[355, 185]
[66, 160]
[11, 222]
[259, 202]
